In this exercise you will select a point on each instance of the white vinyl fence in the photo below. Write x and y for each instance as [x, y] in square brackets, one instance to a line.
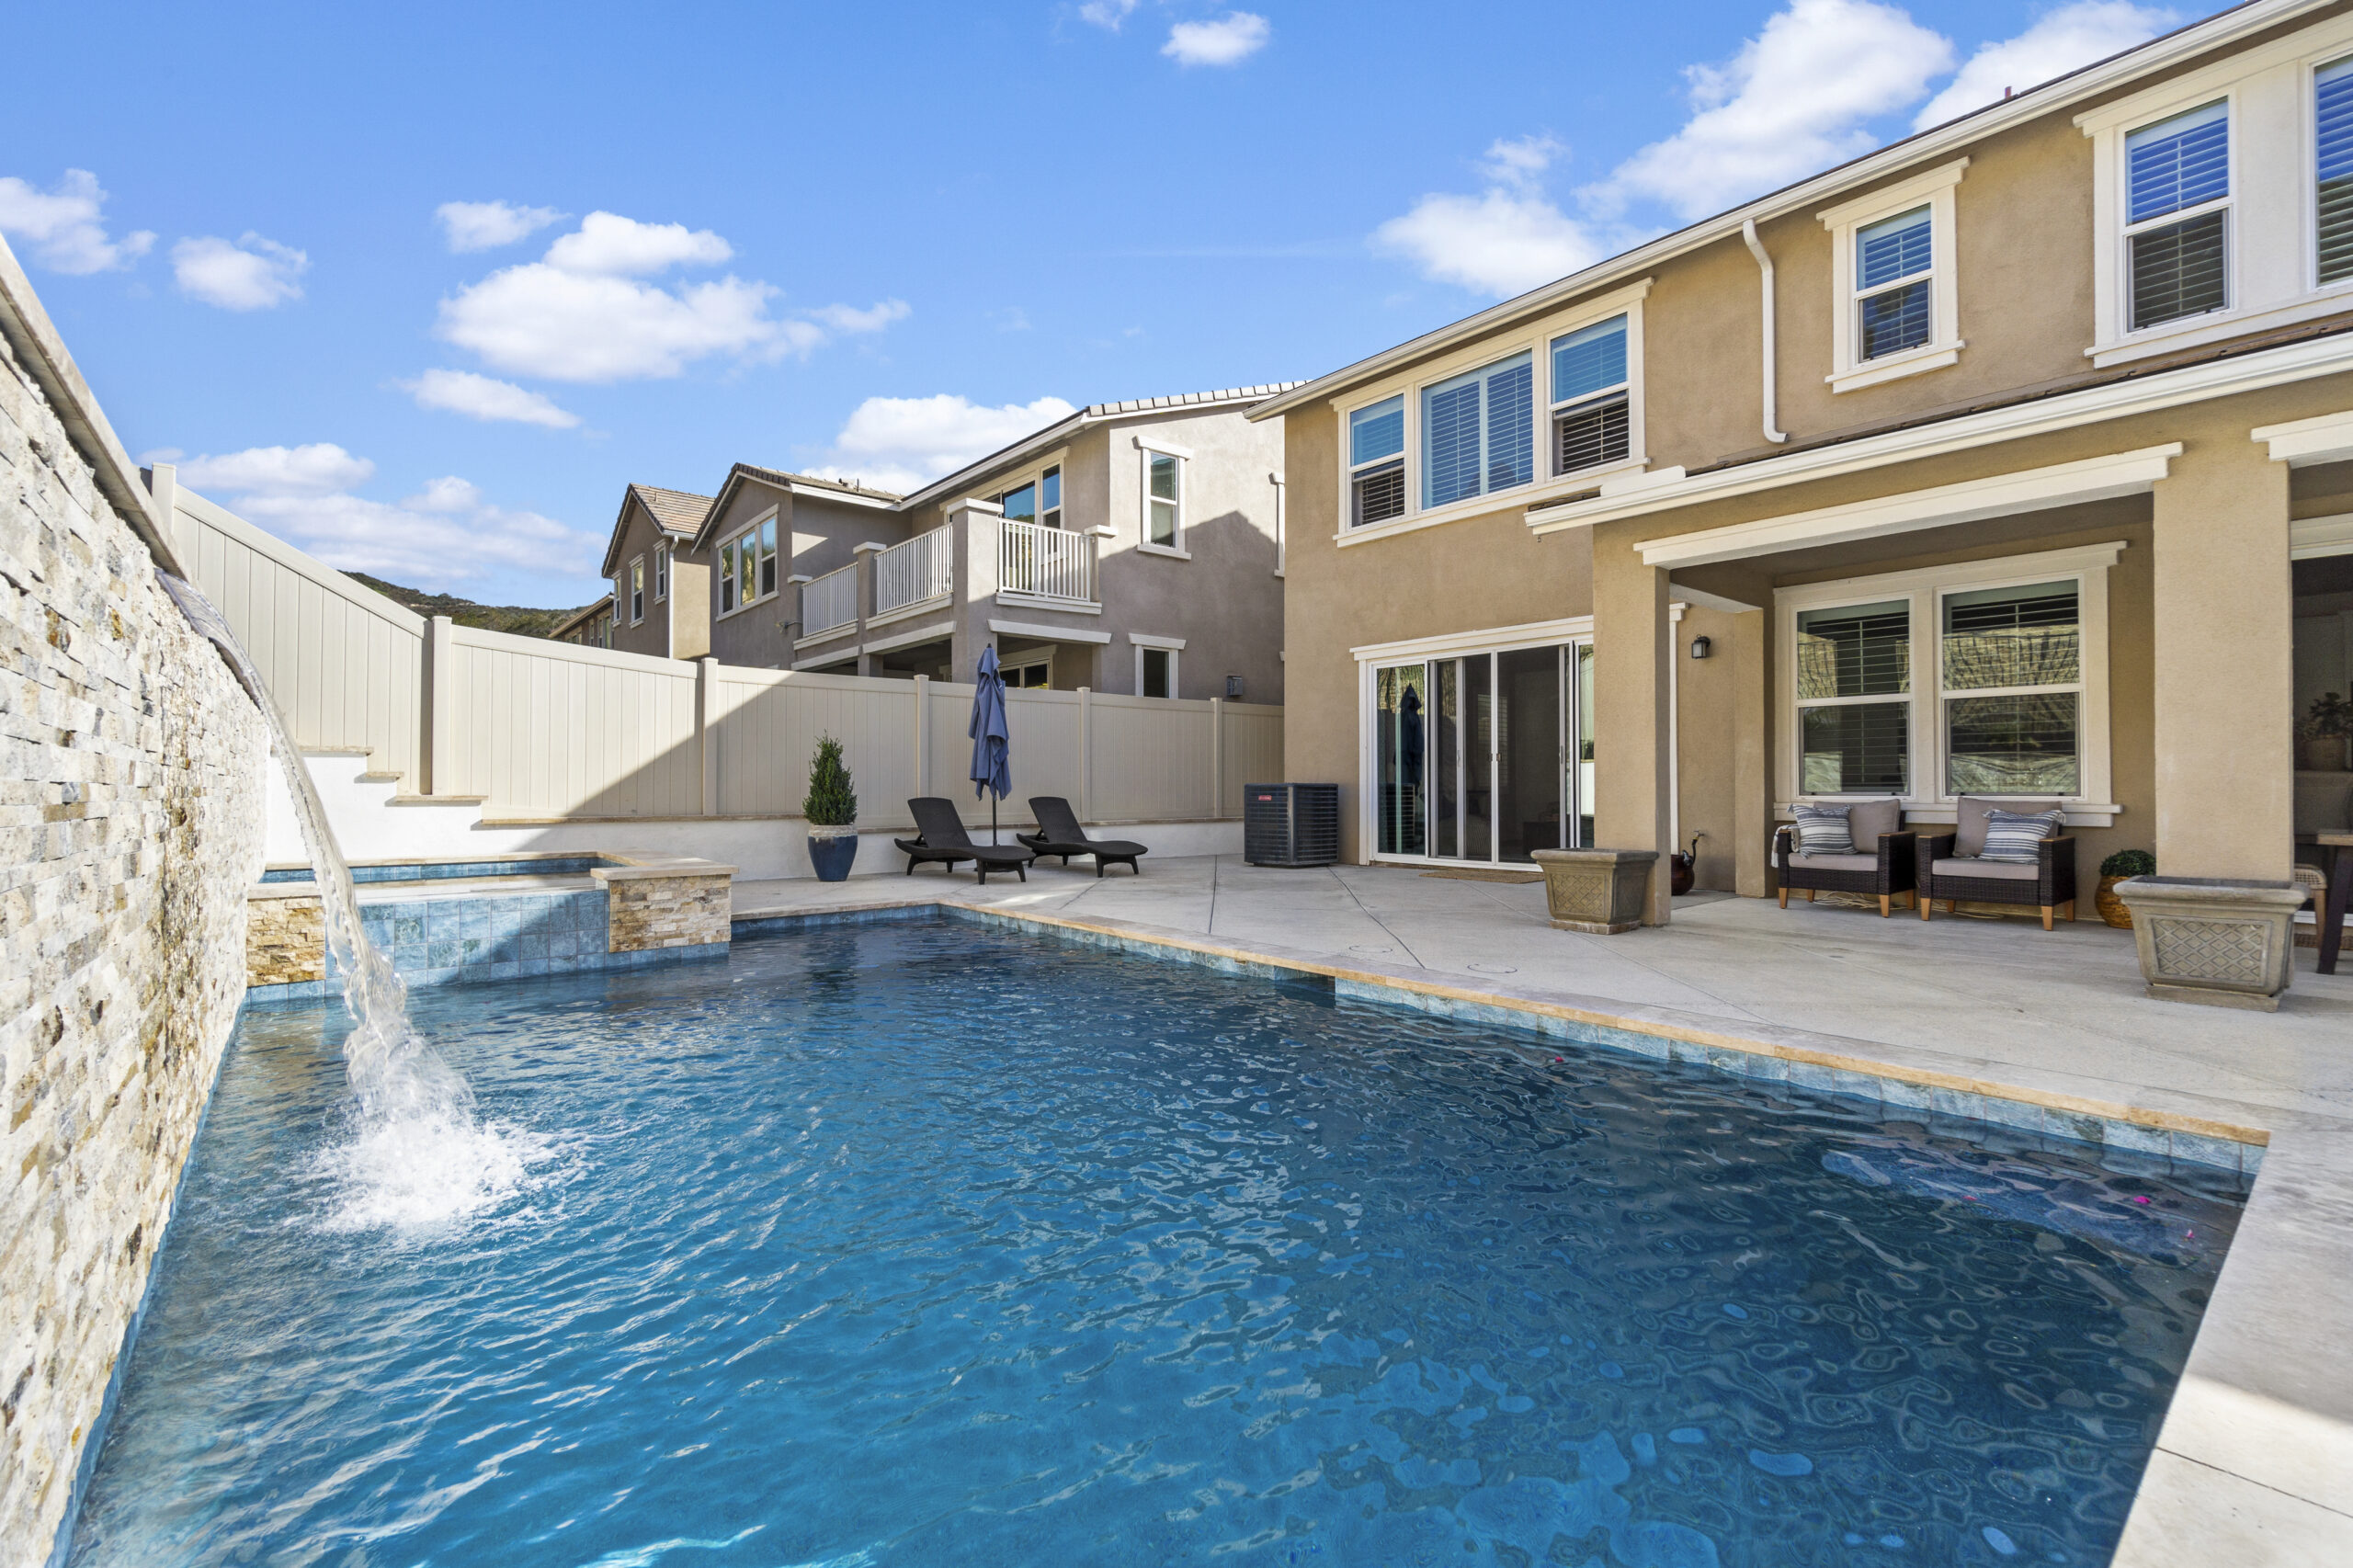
[541, 729]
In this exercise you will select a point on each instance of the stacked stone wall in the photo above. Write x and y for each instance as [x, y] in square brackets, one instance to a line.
[131, 828]
[648, 912]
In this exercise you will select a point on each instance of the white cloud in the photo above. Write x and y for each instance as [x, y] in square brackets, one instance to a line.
[585, 311]
[439, 538]
[608, 243]
[1792, 101]
[253, 274]
[1108, 14]
[1229, 40]
[849, 320]
[64, 226]
[485, 225]
[904, 443]
[480, 397]
[2069, 37]
[1507, 239]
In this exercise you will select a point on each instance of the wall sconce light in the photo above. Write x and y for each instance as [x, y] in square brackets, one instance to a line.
[1700, 646]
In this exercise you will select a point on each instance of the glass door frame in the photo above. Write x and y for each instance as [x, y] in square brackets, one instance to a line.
[1569, 635]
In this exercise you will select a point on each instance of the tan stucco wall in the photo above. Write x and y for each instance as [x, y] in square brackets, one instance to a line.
[674, 628]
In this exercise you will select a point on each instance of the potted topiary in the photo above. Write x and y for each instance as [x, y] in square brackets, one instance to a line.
[2323, 731]
[2115, 868]
[831, 807]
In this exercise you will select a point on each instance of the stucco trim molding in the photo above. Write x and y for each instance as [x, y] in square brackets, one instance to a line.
[1500, 639]
[2324, 439]
[909, 639]
[1035, 601]
[1153, 639]
[2192, 383]
[1972, 500]
[906, 611]
[1049, 633]
[2311, 538]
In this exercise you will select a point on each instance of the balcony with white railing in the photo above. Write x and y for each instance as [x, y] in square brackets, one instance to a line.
[914, 570]
[829, 603]
[1034, 562]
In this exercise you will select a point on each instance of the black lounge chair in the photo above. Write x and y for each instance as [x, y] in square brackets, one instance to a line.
[1059, 834]
[942, 837]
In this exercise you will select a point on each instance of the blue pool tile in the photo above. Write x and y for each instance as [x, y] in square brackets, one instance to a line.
[408, 928]
[474, 918]
[1958, 1103]
[1857, 1085]
[1814, 1077]
[1897, 1095]
[2019, 1115]
[2073, 1124]
[531, 946]
[495, 971]
[2197, 1149]
[442, 921]
[440, 954]
[408, 956]
[473, 949]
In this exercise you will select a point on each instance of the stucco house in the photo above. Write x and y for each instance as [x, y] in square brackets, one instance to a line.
[591, 628]
[2013, 458]
[660, 582]
[1133, 547]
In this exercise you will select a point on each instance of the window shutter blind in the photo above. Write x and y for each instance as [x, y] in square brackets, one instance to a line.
[1895, 248]
[2178, 162]
[1855, 651]
[1588, 436]
[1451, 421]
[1511, 430]
[2332, 120]
[1377, 432]
[2178, 270]
[1589, 360]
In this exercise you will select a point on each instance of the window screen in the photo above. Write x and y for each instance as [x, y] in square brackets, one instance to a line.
[2007, 642]
[2178, 270]
[1477, 432]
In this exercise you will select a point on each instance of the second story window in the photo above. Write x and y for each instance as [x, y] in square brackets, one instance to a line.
[1478, 432]
[1893, 260]
[1590, 417]
[1021, 505]
[2176, 216]
[747, 567]
[1050, 497]
[661, 573]
[1377, 462]
[1164, 498]
[637, 590]
[2333, 143]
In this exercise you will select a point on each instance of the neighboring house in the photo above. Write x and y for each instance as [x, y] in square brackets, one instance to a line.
[661, 584]
[592, 628]
[764, 531]
[1998, 460]
[1132, 547]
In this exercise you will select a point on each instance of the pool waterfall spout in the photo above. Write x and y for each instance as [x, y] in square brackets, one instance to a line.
[418, 1152]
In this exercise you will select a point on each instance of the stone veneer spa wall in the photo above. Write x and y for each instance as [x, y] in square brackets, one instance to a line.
[131, 826]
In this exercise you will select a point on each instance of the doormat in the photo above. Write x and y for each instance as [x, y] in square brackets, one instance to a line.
[1475, 874]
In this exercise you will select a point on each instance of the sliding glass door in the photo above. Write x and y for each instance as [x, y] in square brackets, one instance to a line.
[1485, 756]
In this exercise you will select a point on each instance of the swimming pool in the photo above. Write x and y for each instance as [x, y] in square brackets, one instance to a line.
[923, 1243]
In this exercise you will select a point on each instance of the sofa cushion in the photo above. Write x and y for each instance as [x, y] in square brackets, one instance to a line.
[1824, 830]
[1969, 828]
[1834, 862]
[1871, 821]
[1958, 866]
[2016, 837]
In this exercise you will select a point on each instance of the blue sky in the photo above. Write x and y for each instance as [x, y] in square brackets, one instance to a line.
[421, 288]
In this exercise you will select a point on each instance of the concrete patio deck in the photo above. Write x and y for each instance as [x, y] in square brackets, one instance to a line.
[2255, 1462]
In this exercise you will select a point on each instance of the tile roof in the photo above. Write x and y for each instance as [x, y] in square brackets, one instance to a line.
[846, 486]
[677, 511]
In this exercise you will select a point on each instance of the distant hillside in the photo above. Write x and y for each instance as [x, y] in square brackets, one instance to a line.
[519, 618]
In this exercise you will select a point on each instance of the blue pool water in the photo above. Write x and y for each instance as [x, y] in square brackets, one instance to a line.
[925, 1244]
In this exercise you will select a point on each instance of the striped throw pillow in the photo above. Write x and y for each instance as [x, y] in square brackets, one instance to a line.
[1824, 830]
[2016, 837]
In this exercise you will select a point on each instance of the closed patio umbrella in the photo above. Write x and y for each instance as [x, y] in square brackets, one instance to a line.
[992, 767]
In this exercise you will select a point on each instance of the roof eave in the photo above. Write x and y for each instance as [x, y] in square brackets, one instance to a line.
[1069, 424]
[2141, 60]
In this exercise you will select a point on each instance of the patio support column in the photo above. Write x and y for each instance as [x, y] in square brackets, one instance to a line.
[1752, 787]
[2224, 608]
[1630, 676]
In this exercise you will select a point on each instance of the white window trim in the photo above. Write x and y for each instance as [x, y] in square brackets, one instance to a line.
[2270, 238]
[718, 559]
[661, 573]
[1281, 541]
[1034, 472]
[1925, 800]
[1932, 189]
[1534, 338]
[637, 590]
[1173, 646]
[1371, 657]
[1146, 447]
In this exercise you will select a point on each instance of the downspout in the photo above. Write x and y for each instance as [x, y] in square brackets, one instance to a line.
[1765, 266]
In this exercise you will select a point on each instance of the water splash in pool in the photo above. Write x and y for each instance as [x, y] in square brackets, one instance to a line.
[415, 1151]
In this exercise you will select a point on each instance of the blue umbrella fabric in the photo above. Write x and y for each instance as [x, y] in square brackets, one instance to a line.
[991, 769]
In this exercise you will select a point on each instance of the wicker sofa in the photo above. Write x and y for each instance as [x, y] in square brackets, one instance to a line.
[1950, 867]
[1887, 870]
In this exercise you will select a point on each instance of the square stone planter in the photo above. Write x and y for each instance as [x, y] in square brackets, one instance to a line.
[1600, 892]
[2223, 943]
